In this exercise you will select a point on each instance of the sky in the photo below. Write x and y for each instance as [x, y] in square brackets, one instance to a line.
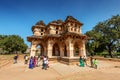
[18, 16]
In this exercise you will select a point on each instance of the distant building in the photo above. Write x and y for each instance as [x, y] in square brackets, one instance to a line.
[28, 50]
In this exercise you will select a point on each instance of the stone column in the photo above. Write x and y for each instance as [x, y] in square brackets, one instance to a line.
[33, 49]
[49, 49]
[83, 49]
[70, 49]
[61, 51]
[80, 51]
[45, 51]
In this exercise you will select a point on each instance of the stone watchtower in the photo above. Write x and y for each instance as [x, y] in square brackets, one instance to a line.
[62, 39]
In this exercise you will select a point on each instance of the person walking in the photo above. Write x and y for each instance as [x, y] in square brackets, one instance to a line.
[34, 62]
[91, 61]
[38, 61]
[26, 59]
[44, 63]
[15, 58]
[95, 63]
[47, 63]
[31, 63]
[85, 60]
[81, 62]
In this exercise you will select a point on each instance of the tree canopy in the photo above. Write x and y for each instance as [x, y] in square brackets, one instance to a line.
[12, 44]
[105, 36]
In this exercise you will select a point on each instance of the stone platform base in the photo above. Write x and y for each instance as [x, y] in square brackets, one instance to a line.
[66, 60]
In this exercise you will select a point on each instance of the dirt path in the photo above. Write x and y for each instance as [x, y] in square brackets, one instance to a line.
[106, 71]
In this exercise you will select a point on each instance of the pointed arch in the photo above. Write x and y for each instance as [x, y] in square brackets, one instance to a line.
[65, 50]
[76, 49]
[39, 50]
[56, 50]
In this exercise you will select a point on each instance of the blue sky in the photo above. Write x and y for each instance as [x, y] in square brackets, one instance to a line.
[18, 16]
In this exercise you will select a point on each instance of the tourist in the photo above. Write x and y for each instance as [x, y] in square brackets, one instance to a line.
[44, 63]
[91, 61]
[34, 61]
[31, 63]
[15, 58]
[38, 61]
[26, 59]
[95, 63]
[85, 60]
[47, 62]
[81, 62]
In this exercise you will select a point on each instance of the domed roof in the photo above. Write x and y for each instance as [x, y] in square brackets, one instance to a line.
[40, 23]
[72, 19]
[56, 22]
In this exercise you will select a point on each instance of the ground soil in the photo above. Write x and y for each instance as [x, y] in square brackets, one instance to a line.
[107, 70]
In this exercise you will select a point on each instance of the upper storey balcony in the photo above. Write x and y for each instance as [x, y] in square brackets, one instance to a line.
[73, 25]
[55, 27]
[39, 29]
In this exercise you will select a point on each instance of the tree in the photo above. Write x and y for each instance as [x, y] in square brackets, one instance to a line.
[2, 40]
[12, 44]
[105, 35]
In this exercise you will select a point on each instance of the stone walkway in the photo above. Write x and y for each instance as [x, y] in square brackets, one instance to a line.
[63, 69]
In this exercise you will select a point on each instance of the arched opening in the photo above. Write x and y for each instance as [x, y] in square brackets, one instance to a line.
[65, 51]
[56, 32]
[39, 50]
[56, 50]
[76, 49]
[41, 33]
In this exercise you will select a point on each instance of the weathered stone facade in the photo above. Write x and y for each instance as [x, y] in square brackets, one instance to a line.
[58, 38]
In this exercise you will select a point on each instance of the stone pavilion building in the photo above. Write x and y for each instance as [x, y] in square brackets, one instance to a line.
[58, 39]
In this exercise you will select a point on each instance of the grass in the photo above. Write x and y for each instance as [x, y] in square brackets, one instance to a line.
[7, 57]
[10, 56]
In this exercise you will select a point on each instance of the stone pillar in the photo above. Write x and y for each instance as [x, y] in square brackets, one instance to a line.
[61, 51]
[33, 50]
[45, 51]
[84, 50]
[80, 51]
[49, 49]
[70, 49]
